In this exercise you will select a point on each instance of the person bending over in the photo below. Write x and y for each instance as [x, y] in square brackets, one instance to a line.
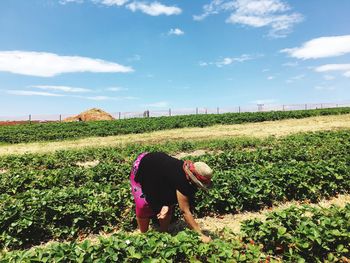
[159, 182]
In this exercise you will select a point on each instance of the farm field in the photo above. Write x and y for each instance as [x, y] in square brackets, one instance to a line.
[242, 106]
[74, 130]
[67, 196]
[260, 130]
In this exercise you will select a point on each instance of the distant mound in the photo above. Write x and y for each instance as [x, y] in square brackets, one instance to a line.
[91, 115]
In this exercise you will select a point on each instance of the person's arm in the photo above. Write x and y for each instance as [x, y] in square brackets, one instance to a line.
[184, 205]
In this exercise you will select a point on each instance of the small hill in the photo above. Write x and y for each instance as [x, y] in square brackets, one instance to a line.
[93, 114]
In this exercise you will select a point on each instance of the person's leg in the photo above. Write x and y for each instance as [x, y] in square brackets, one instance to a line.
[143, 224]
[165, 222]
[143, 211]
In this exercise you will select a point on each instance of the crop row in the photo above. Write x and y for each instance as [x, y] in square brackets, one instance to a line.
[48, 201]
[304, 234]
[62, 131]
[150, 247]
[317, 145]
[296, 234]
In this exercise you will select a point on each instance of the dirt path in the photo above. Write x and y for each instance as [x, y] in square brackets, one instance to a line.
[261, 129]
[213, 224]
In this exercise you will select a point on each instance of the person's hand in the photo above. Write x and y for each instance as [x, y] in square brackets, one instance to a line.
[163, 212]
[205, 239]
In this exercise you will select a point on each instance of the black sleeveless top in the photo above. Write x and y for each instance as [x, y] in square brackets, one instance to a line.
[160, 175]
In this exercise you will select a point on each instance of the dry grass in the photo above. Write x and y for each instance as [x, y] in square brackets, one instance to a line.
[89, 164]
[261, 129]
[194, 153]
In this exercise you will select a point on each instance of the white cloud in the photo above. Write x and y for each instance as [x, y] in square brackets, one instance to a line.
[215, 7]
[112, 2]
[61, 88]
[321, 48]
[229, 60]
[224, 62]
[255, 13]
[116, 89]
[66, 89]
[280, 24]
[63, 2]
[161, 104]
[44, 64]
[103, 2]
[345, 68]
[33, 93]
[176, 31]
[270, 77]
[103, 98]
[154, 9]
[261, 7]
[333, 67]
[291, 64]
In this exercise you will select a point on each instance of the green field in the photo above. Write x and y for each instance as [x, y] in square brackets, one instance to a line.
[74, 130]
[53, 197]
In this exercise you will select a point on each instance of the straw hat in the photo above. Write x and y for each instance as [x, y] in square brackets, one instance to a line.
[199, 173]
[203, 169]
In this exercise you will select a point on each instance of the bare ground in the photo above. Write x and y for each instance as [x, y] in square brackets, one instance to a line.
[261, 129]
[89, 164]
[233, 221]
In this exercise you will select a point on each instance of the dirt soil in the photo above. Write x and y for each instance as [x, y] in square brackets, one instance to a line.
[233, 221]
[89, 164]
[260, 130]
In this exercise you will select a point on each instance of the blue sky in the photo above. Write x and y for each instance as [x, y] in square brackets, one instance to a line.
[65, 56]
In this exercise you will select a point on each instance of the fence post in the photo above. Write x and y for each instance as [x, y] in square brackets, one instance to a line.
[305, 106]
[30, 118]
[260, 107]
[60, 118]
[239, 109]
[321, 106]
[283, 107]
[169, 112]
[197, 111]
[119, 115]
[217, 110]
[206, 110]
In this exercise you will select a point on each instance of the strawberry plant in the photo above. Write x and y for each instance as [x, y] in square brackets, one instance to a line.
[304, 234]
[150, 247]
[49, 196]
